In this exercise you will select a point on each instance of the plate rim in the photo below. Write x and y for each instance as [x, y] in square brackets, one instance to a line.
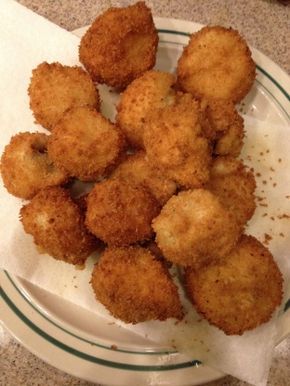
[161, 22]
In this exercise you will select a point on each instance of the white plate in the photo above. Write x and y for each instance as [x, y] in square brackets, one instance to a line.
[82, 344]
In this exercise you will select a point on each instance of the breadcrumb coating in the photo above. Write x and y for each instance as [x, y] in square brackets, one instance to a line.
[54, 88]
[137, 170]
[151, 91]
[239, 293]
[119, 213]
[194, 228]
[120, 45]
[176, 145]
[134, 286]
[235, 186]
[26, 167]
[215, 64]
[57, 225]
[85, 144]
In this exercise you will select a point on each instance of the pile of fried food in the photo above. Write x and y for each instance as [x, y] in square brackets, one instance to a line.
[168, 186]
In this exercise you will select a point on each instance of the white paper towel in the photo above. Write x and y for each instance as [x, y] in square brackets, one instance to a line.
[26, 40]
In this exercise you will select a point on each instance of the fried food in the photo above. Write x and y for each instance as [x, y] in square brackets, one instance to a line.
[26, 167]
[54, 88]
[120, 45]
[239, 293]
[134, 286]
[120, 214]
[153, 90]
[137, 170]
[85, 144]
[235, 185]
[194, 227]
[215, 64]
[227, 127]
[57, 225]
[175, 143]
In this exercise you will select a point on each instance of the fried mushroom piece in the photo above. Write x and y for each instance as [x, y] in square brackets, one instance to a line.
[215, 64]
[56, 223]
[119, 213]
[153, 90]
[235, 186]
[134, 286]
[137, 170]
[175, 143]
[194, 228]
[120, 45]
[239, 293]
[85, 144]
[226, 127]
[54, 88]
[26, 167]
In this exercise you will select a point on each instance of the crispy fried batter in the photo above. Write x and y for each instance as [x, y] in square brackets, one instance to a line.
[239, 293]
[216, 63]
[120, 214]
[57, 225]
[85, 144]
[54, 88]
[235, 186]
[137, 170]
[134, 286]
[227, 126]
[175, 143]
[153, 90]
[26, 167]
[194, 227]
[120, 45]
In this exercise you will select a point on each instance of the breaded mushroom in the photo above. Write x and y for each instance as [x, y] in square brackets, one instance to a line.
[54, 88]
[85, 144]
[235, 185]
[153, 90]
[239, 293]
[26, 167]
[120, 213]
[120, 45]
[134, 286]
[194, 228]
[227, 126]
[215, 64]
[137, 170]
[56, 223]
[175, 143]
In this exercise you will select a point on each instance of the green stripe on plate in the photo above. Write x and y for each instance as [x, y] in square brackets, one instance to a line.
[87, 357]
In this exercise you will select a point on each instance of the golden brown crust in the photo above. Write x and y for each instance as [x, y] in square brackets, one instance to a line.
[120, 214]
[136, 169]
[194, 228]
[26, 167]
[175, 143]
[54, 88]
[120, 45]
[235, 186]
[153, 90]
[134, 286]
[216, 63]
[85, 144]
[227, 126]
[57, 225]
[239, 293]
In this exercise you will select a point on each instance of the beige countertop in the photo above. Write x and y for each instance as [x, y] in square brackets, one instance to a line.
[265, 25]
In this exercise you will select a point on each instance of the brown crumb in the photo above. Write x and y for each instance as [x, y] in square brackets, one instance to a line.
[264, 182]
[272, 218]
[281, 234]
[287, 196]
[279, 160]
[258, 174]
[282, 216]
[265, 205]
[267, 238]
[265, 214]
[261, 153]
[267, 151]
[272, 169]
[274, 184]
[114, 347]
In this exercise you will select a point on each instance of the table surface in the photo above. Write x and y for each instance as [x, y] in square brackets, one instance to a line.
[265, 25]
